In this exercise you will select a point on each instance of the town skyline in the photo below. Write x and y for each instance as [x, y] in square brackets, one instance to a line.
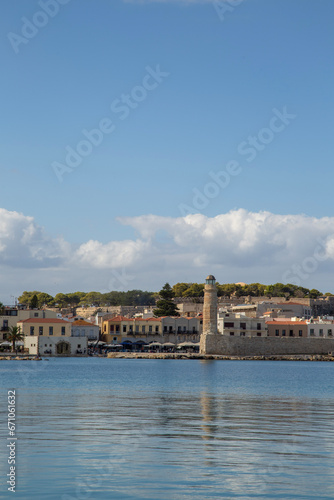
[131, 157]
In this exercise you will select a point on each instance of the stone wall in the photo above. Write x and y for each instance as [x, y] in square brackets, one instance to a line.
[263, 346]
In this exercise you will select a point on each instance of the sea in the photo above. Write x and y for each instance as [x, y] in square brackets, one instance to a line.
[127, 429]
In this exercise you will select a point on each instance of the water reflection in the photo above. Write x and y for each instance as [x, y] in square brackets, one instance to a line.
[172, 431]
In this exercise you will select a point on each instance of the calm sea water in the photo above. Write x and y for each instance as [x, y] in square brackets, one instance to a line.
[170, 429]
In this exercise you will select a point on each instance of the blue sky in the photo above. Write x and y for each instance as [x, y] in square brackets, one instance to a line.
[228, 69]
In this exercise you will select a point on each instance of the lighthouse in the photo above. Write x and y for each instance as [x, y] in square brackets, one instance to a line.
[210, 306]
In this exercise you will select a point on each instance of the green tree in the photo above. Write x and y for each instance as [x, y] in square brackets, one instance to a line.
[34, 302]
[166, 306]
[44, 299]
[61, 300]
[180, 288]
[14, 335]
[2, 309]
[26, 297]
[314, 294]
[194, 290]
[75, 297]
[92, 299]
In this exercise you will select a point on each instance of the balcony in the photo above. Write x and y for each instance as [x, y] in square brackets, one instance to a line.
[4, 329]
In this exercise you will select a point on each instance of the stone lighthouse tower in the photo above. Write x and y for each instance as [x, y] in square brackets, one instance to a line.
[210, 306]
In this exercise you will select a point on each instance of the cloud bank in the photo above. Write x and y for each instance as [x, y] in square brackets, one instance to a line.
[236, 246]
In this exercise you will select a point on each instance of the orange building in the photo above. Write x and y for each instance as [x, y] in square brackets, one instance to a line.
[287, 328]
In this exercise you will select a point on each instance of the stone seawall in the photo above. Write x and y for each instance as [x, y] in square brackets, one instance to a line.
[263, 346]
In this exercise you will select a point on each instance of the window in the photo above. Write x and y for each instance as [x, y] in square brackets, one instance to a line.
[231, 334]
[259, 334]
[36, 315]
[124, 328]
[150, 328]
[291, 333]
[63, 330]
[242, 326]
[228, 324]
[329, 333]
[300, 333]
[50, 330]
[79, 345]
[137, 328]
[321, 332]
[178, 329]
[242, 334]
[165, 329]
[157, 329]
[258, 326]
[115, 338]
[40, 330]
[171, 329]
[130, 328]
[283, 333]
[277, 333]
[143, 329]
[311, 331]
[32, 330]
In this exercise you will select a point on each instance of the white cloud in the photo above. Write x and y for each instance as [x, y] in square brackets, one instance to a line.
[115, 254]
[236, 246]
[25, 244]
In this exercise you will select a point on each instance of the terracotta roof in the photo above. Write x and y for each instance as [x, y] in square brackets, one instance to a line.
[81, 322]
[120, 318]
[286, 322]
[123, 318]
[44, 320]
[290, 304]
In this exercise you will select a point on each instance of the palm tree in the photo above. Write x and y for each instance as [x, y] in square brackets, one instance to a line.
[14, 335]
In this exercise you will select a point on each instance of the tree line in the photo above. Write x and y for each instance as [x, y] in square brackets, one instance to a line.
[253, 290]
[37, 299]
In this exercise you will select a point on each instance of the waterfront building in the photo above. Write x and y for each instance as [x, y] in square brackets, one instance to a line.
[82, 328]
[51, 337]
[13, 314]
[320, 328]
[166, 329]
[240, 325]
[46, 345]
[45, 326]
[287, 328]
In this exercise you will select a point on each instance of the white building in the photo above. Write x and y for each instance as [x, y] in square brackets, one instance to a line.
[320, 328]
[239, 325]
[82, 328]
[56, 346]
